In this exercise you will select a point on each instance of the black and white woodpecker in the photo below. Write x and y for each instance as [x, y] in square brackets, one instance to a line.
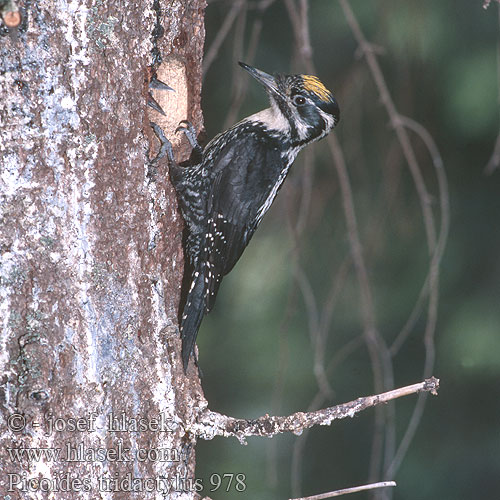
[224, 196]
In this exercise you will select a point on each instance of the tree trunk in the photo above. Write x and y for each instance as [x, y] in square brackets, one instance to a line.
[91, 255]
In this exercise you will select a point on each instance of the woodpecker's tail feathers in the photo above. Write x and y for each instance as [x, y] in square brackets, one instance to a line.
[193, 313]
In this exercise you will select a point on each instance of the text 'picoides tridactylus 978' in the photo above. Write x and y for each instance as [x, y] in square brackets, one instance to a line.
[224, 196]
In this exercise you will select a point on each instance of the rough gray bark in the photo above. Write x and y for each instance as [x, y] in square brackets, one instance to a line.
[90, 249]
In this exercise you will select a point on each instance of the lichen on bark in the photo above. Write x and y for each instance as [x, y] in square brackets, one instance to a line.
[90, 245]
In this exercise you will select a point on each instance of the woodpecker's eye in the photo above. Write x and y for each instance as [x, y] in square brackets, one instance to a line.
[298, 100]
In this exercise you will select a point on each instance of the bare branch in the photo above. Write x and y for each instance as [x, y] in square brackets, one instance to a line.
[346, 491]
[367, 50]
[210, 424]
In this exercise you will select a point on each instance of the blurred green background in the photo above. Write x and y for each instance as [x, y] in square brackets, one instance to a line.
[440, 63]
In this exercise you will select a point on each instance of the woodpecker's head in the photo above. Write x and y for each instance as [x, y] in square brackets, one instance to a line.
[300, 105]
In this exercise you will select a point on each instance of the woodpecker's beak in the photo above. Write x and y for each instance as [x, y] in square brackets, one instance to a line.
[266, 80]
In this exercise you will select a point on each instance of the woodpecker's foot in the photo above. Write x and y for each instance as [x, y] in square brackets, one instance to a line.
[165, 146]
[156, 84]
[187, 128]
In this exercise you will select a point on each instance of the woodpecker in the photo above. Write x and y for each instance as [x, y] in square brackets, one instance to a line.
[224, 194]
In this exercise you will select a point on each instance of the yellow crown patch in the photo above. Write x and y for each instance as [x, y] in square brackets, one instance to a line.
[313, 84]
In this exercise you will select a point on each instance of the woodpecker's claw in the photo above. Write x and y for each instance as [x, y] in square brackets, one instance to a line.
[153, 104]
[165, 148]
[190, 133]
[159, 85]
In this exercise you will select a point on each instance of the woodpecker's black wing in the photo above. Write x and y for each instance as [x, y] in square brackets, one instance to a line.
[247, 177]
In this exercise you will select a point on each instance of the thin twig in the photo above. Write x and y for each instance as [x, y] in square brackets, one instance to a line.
[240, 83]
[433, 285]
[299, 446]
[379, 355]
[437, 161]
[346, 491]
[299, 21]
[210, 424]
[341, 355]
[227, 24]
[435, 244]
[385, 96]
[314, 330]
